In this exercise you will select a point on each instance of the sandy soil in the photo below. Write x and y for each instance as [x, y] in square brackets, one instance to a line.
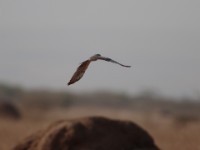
[168, 135]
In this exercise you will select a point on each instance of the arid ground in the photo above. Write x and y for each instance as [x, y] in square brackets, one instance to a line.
[173, 125]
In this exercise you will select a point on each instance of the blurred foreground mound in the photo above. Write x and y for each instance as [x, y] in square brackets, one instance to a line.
[94, 133]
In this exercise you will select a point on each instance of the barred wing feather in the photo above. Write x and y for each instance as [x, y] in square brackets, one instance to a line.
[79, 72]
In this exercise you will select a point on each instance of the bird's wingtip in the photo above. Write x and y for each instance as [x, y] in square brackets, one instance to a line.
[127, 66]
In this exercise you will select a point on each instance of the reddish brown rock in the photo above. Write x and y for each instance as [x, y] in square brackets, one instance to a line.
[94, 133]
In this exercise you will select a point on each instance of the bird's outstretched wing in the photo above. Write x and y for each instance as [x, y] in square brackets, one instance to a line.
[79, 72]
[113, 61]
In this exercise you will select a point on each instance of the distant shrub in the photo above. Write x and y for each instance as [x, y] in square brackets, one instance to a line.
[10, 91]
[185, 119]
[8, 110]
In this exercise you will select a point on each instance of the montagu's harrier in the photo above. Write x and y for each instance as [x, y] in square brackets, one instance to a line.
[84, 65]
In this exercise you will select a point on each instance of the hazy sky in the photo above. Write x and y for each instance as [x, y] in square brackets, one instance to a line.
[42, 42]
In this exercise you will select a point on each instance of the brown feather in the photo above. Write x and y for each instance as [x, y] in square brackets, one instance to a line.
[79, 72]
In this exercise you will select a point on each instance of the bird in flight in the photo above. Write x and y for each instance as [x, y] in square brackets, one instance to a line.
[84, 65]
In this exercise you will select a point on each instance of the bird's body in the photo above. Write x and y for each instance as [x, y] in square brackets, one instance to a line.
[84, 65]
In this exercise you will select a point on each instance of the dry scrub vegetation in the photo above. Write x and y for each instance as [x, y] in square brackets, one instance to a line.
[173, 124]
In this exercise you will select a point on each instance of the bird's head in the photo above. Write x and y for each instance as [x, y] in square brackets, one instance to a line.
[95, 57]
